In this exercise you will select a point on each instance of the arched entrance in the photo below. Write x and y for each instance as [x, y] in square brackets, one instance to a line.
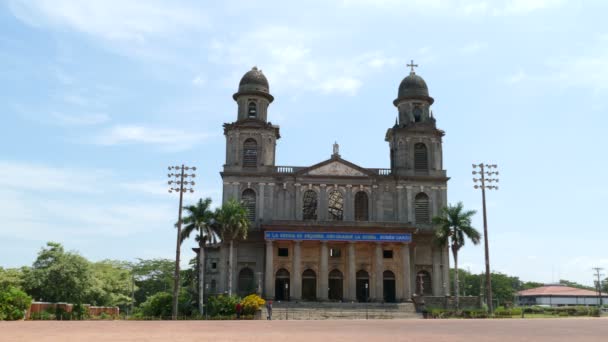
[362, 286]
[281, 285]
[335, 285]
[309, 285]
[245, 284]
[389, 286]
[424, 284]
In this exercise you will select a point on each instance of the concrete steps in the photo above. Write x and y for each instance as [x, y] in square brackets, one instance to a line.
[323, 310]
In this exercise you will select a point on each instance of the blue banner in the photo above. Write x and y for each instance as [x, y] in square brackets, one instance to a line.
[321, 236]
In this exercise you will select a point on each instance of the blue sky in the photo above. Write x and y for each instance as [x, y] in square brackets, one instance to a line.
[98, 97]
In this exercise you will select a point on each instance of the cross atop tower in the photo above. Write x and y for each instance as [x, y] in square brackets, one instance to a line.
[412, 65]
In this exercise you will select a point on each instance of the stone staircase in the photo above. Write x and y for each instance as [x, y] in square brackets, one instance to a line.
[332, 310]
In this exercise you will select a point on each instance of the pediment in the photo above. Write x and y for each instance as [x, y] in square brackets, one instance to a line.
[335, 168]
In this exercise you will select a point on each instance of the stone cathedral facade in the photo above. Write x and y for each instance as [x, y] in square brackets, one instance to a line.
[334, 231]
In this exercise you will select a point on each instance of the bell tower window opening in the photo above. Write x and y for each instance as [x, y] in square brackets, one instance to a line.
[250, 153]
[417, 113]
[252, 110]
[248, 199]
[421, 205]
[336, 206]
[421, 160]
[309, 208]
[361, 206]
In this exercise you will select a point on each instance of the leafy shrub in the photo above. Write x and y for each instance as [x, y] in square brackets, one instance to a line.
[252, 303]
[13, 303]
[222, 305]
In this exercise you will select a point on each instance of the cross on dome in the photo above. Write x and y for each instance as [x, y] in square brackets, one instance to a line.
[412, 66]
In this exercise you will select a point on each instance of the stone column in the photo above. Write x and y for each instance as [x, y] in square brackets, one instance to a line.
[269, 271]
[406, 269]
[409, 205]
[261, 202]
[378, 272]
[322, 212]
[437, 280]
[271, 214]
[401, 207]
[298, 193]
[349, 204]
[322, 291]
[296, 286]
[413, 263]
[445, 268]
[351, 290]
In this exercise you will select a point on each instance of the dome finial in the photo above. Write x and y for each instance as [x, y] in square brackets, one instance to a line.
[412, 66]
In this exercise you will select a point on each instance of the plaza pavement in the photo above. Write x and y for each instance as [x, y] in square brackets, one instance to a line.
[555, 329]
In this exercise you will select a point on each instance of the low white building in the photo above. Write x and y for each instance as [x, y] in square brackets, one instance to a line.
[559, 295]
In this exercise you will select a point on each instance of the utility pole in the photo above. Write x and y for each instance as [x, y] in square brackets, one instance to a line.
[599, 284]
[483, 180]
[179, 183]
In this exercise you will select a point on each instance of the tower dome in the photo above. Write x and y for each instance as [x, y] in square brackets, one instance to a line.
[254, 83]
[413, 87]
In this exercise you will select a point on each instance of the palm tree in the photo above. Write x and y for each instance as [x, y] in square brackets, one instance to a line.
[200, 219]
[454, 226]
[233, 224]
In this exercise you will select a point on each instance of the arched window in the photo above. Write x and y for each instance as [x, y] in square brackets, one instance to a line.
[361, 206]
[246, 283]
[250, 153]
[336, 205]
[248, 199]
[421, 205]
[252, 110]
[309, 208]
[424, 283]
[421, 160]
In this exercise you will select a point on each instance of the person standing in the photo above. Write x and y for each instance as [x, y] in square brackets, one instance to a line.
[239, 309]
[269, 309]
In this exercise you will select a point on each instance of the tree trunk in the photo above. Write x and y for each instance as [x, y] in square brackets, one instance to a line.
[456, 280]
[201, 279]
[230, 269]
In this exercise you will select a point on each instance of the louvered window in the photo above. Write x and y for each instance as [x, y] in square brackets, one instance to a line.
[309, 208]
[421, 161]
[248, 199]
[250, 153]
[335, 206]
[361, 206]
[421, 204]
[252, 110]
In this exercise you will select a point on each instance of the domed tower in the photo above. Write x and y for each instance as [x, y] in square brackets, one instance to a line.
[414, 140]
[251, 139]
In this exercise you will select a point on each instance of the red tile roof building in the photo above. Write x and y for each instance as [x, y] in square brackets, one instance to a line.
[559, 295]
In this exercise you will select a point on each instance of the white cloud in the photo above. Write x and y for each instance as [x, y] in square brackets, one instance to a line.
[79, 119]
[472, 48]
[458, 7]
[170, 139]
[343, 85]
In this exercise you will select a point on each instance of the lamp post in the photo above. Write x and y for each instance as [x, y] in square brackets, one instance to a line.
[599, 285]
[179, 183]
[483, 180]
[366, 298]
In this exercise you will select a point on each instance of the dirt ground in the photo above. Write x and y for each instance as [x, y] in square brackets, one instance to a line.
[555, 329]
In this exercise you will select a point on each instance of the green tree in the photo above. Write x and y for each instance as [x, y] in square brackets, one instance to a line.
[576, 285]
[453, 227]
[112, 284]
[526, 285]
[12, 277]
[200, 219]
[152, 276]
[233, 224]
[13, 303]
[59, 276]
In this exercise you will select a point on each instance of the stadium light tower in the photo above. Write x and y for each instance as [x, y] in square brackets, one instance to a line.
[483, 186]
[178, 182]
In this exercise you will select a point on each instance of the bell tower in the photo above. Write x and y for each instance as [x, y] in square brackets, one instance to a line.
[251, 139]
[414, 140]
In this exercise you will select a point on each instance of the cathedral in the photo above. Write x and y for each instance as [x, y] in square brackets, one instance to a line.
[334, 231]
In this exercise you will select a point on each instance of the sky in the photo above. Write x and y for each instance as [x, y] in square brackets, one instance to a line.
[97, 98]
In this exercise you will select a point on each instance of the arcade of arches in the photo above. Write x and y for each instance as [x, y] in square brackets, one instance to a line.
[342, 271]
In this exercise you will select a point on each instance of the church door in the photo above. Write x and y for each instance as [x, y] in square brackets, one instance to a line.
[389, 286]
[309, 285]
[362, 286]
[281, 285]
[335, 285]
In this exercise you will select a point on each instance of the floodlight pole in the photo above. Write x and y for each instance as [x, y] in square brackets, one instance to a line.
[483, 187]
[181, 175]
[599, 284]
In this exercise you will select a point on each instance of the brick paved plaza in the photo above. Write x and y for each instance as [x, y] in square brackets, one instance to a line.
[572, 329]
